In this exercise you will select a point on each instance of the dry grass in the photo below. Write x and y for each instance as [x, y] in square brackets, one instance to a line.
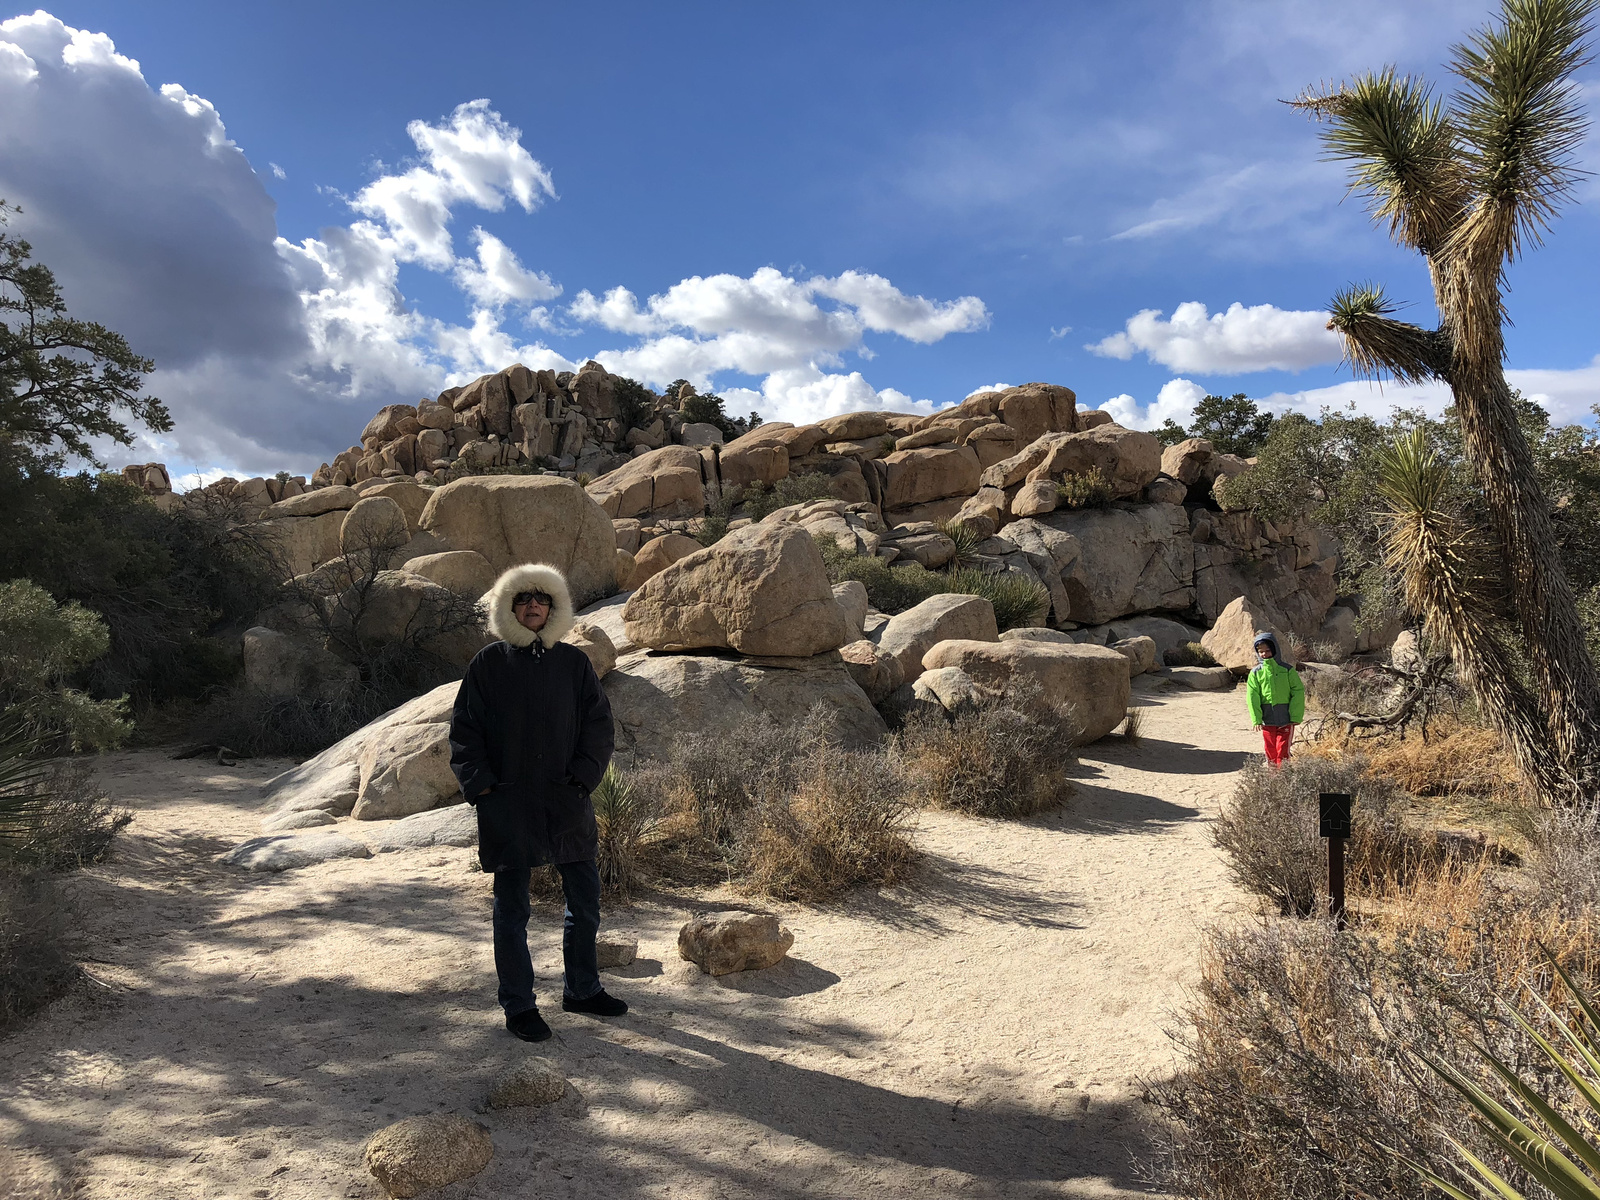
[1007, 758]
[1133, 726]
[35, 966]
[75, 826]
[1190, 654]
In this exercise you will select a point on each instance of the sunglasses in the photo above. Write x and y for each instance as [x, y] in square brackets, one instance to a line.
[542, 599]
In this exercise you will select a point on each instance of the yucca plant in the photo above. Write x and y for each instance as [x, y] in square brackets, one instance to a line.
[23, 799]
[1546, 1144]
[966, 539]
[1018, 601]
[1469, 185]
[1447, 568]
[623, 815]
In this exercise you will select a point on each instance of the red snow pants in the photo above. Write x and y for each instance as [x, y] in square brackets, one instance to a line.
[1277, 738]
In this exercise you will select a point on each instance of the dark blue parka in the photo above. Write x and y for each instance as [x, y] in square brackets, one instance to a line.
[531, 733]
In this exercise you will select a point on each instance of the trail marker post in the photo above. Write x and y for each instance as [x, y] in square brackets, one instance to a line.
[1334, 815]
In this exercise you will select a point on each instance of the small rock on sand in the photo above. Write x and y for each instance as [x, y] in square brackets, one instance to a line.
[529, 1083]
[422, 1153]
[613, 950]
[721, 943]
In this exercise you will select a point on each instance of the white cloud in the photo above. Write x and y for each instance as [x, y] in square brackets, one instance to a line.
[771, 324]
[498, 279]
[1260, 338]
[988, 387]
[1175, 401]
[277, 171]
[473, 158]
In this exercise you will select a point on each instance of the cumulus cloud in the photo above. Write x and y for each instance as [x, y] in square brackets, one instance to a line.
[273, 353]
[1260, 338]
[771, 324]
[1175, 402]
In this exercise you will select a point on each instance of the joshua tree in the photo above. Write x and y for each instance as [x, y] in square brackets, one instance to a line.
[1469, 184]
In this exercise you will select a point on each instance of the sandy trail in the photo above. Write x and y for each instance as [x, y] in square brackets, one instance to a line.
[981, 1033]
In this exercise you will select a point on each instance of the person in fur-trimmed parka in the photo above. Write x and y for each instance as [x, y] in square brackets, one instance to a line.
[530, 737]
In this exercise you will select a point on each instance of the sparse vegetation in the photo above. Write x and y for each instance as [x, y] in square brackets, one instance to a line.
[1190, 654]
[761, 500]
[1018, 601]
[1005, 758]
[35, 965]
[1133, 726]
[965, 539]
[624, 815]
[1088, 490]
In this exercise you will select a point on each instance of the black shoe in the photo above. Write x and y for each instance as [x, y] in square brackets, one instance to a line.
[528, 1025]
[598, 1005]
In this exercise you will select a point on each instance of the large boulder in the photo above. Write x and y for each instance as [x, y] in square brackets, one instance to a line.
[665, 482]
[1231, 640]
[659, 553]
[464, 572]
[331, 781]
[876, 672]
[410, 495]
[456, 825]
[406, 770]
[852, 597]
[313, 503]
[375, 526]
[290, 851]
[1128, 458]
[596, 644]
[299, 544]
[657, 698]
[514, 519]
[932, 473]
[1131, 559]
[276, 664]
[422, 1154]
[1186, 461]
[760, 590]
[399, 607]
[1166, 633]
[911, 634]
[1093, 680]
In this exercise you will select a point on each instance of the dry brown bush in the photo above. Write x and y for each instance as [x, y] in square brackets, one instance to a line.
[1269, 830]
[35, 966]
[844, 825]
[785, 810]
[1455, 758]
[1006, 758]
[76, 824]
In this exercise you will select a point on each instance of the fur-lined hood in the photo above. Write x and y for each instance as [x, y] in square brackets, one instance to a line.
[529, 577]
[1263, 635]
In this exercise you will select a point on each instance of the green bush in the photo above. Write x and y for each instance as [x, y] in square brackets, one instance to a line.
[965, 539]
[1018, 601]
[1089, 490]
[73, 826]
[42, 645]
[623, 816]
[1190, 654]
[763, 499]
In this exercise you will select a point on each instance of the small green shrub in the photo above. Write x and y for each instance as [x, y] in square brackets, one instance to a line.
[1088, 490]
[761, 500]
[713, 527]
[1190, 654]
[1018, 601]
[41, 646]
[73, 825]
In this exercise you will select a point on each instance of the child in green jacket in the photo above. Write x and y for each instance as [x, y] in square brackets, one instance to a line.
[1277, 698]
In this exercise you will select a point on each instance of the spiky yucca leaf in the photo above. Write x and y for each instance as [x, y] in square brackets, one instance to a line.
[22, 799]
[1548, 1159]
[1404, 149]
[966, 539]
[1375, 345]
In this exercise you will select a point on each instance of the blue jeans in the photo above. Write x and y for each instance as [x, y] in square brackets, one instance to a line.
[580, 882]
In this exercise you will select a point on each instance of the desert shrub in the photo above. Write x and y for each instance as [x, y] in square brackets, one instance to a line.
[842, 825]
[761, 500]
[623, 814]
[791, 813]
[1268, 829]
[1190, 654]
[1299, 1081]
[708, 410]
[1018, 601]
[42, 645]
[1089, 489]
[1330, 692]
[1455, 758]
[35, 966]
[889, 589]
[73, 824]
[634, 402]
[1005, 758]
[713, 527]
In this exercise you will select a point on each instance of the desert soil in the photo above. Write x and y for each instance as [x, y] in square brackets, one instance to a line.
[983, 1031]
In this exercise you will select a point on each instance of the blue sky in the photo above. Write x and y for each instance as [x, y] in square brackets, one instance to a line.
[835, 206]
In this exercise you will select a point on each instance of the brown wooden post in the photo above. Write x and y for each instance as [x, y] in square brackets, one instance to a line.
[1334, 817]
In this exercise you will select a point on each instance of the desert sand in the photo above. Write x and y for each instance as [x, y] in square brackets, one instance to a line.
[983, 1031]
